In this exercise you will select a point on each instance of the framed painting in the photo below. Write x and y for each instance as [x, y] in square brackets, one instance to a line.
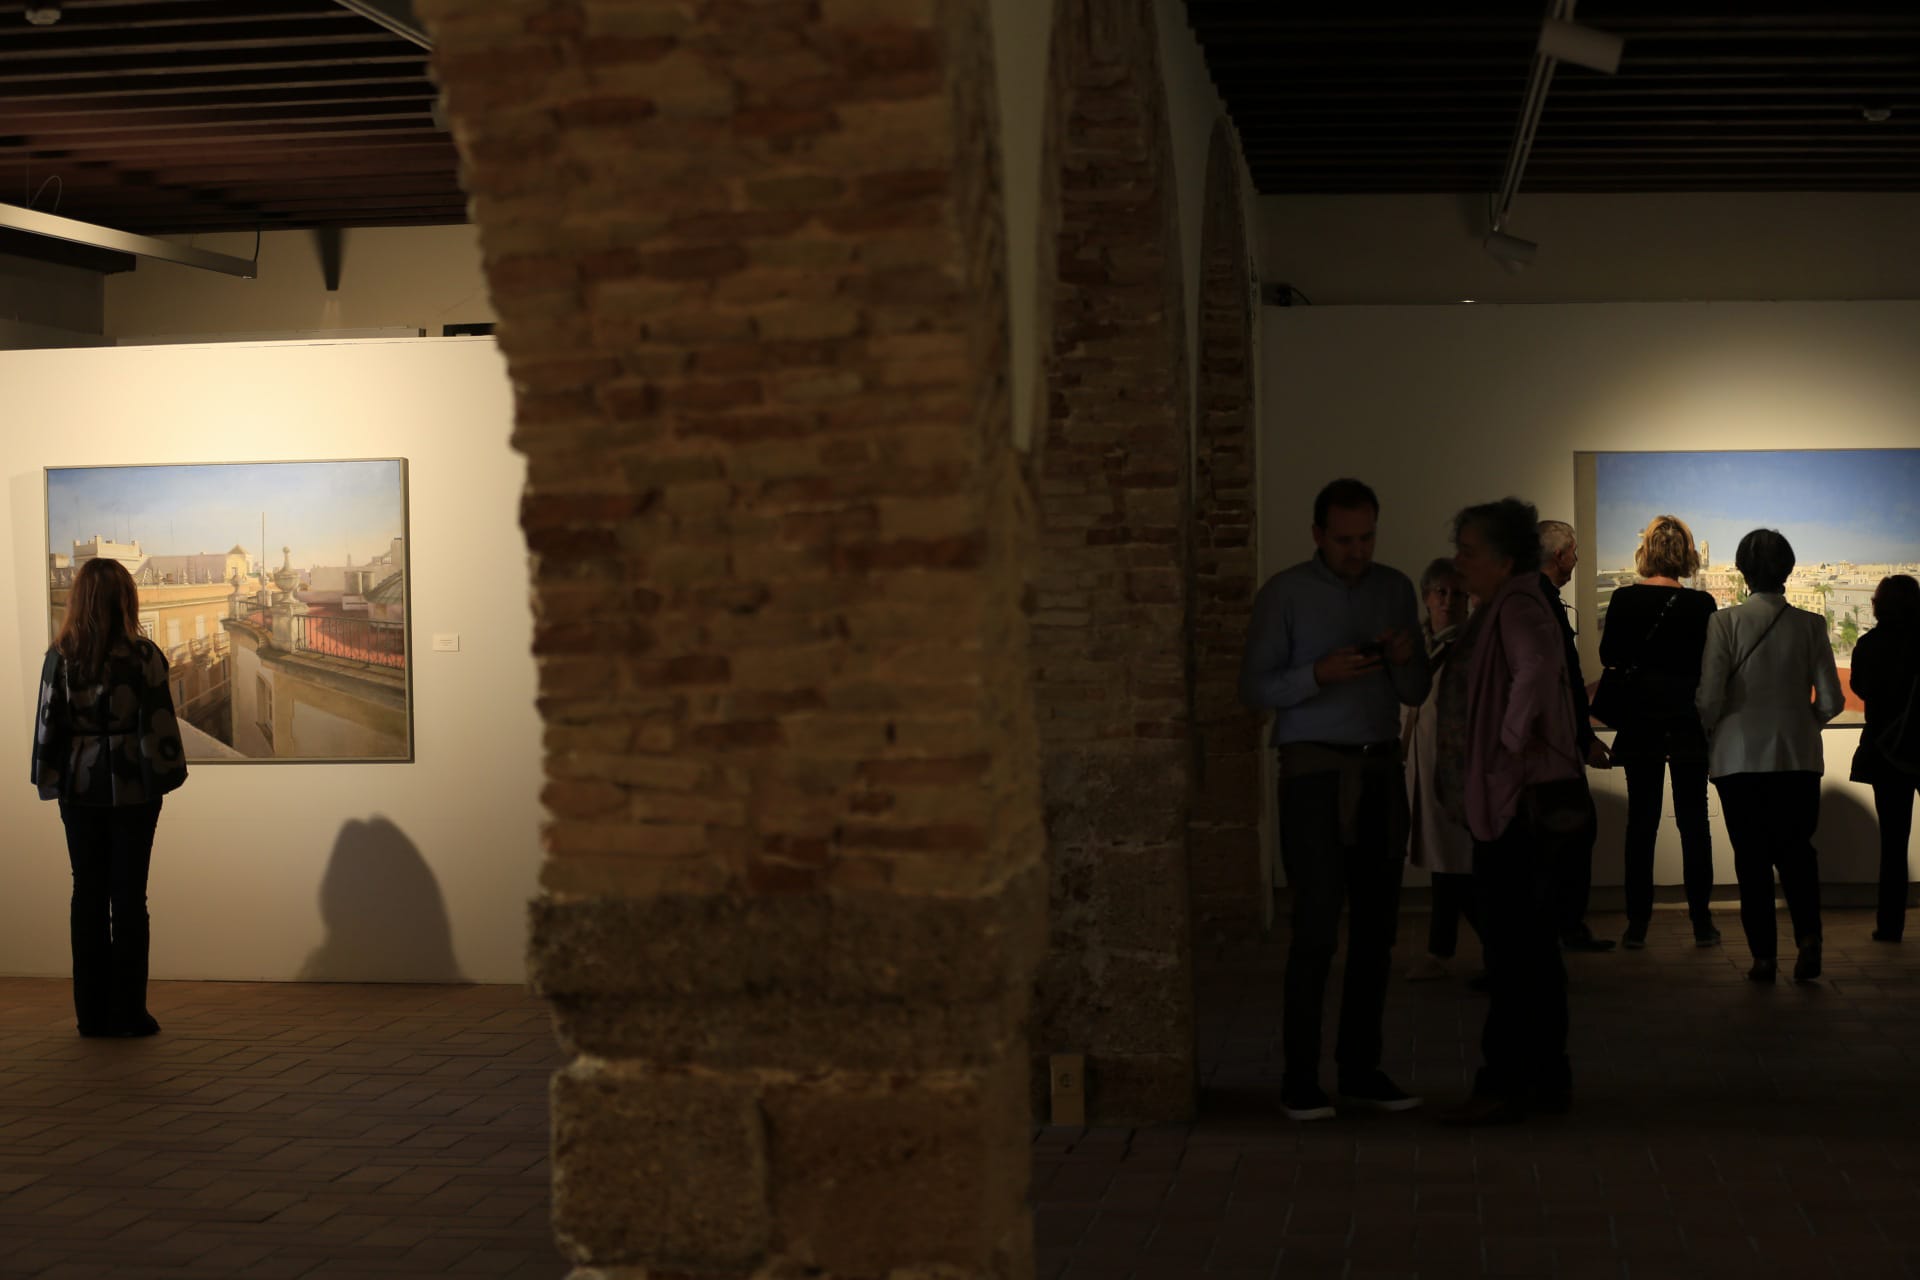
[1852, 515]
[279, 592]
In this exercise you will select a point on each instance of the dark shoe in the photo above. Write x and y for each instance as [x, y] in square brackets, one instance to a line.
[142, 1024]
[1478, 1112]
[1555, 1102]
[1806, 967]
[93, 1031]
[1762, 971]
[1583, 940]
[1376, 1093]
[1307, 1103]
[1635, 938]
[1704, 934]
[1881, 935]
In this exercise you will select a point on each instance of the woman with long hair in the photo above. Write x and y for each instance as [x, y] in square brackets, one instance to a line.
[1655, 632]
[1886, 664]
[107, 747]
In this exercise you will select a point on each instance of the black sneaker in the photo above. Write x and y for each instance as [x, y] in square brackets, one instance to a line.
[1635, 938]
[1705, 934]
[1306, 1103]
[1377, 1093]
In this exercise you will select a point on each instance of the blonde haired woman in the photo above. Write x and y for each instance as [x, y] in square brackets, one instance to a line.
[1655, 632]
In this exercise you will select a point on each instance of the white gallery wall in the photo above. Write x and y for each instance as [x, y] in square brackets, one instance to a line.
[1441, 406]
[401, 872]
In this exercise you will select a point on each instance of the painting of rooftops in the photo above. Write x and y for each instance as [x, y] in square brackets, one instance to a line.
[1852, 516]
[277, 590]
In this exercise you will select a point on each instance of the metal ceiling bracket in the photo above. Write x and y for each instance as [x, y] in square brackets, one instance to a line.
[328, 242]
[87, 233]
[396, 16]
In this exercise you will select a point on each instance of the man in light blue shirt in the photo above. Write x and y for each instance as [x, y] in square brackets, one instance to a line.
[1333, 652]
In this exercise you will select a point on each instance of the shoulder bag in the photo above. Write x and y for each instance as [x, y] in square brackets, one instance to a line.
[1899, 742]
[1623, 690]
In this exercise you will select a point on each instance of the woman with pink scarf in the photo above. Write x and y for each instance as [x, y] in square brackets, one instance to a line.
[1523, 792]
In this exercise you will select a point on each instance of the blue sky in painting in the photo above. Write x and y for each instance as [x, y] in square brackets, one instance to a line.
[324, 511]
[1841, 504]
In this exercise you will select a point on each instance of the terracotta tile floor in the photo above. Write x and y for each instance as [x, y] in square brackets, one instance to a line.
[277, 1131]
[290, 1131]
[1720, 1129]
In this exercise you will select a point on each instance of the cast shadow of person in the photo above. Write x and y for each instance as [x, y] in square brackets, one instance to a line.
[1848, 839]
[385, 918]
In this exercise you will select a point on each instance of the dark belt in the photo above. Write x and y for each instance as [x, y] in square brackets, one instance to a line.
[1390, 747]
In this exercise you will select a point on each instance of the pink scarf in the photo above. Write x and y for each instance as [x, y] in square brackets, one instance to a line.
[1520, 728]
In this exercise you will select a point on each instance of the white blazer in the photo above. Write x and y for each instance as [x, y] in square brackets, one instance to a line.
[1766, 718]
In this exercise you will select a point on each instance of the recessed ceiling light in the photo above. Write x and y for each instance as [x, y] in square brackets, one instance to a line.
[1877, 115]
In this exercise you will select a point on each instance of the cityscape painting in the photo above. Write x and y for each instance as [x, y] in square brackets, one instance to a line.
[277, 590]
[1852, 515]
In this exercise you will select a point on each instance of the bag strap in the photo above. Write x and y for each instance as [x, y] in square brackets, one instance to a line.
[1785, 609]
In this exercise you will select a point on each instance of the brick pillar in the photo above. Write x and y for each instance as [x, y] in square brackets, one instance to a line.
[1112, 685]
[1232, 889]
[748, 265]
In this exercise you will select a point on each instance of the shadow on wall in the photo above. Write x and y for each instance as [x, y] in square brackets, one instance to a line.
[1848, 839]
[385, 918]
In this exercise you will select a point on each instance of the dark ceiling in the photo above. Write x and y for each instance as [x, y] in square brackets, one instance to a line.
[200, 115]
[197, 115]
[1711, 95]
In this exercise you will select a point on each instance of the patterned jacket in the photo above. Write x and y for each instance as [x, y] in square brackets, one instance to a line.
[114, 741]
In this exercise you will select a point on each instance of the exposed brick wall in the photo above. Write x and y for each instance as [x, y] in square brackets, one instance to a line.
[1231, 895]
[1110, 583]
[748, 267]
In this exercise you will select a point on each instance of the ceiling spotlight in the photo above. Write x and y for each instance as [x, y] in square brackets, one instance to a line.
[1876, 114]
[1510, 251]
[1582, 46]
[43, 15]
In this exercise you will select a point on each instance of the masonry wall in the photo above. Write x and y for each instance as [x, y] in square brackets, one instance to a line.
[749, 270]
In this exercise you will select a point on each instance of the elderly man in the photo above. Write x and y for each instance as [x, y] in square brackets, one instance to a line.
[1559, 554]
[1333, 652]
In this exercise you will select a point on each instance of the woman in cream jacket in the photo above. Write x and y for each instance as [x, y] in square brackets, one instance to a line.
[1767, 685]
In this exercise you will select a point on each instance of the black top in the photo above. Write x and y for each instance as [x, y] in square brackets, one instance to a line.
[1663, 632]
[112, 740]
[1885, 663]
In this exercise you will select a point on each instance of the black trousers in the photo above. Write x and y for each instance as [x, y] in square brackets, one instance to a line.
[1524, 1043]
[1893, 804]
[1455, 898]
[1573, 861]
[1770, 819]
[1646, 793]
[109, 848]
[1322, 872]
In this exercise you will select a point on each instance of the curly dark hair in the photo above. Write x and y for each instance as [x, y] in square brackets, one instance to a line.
[1511, 528]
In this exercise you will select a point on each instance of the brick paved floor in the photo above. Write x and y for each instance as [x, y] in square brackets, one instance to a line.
[276, 1131]
[281, 1130]
[1720, 1129]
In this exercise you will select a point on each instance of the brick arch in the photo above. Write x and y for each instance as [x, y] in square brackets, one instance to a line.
[1110, 585]
[748, 267]
[1232, 891]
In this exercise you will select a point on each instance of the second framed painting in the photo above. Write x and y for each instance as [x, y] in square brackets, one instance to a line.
[1852, 515]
